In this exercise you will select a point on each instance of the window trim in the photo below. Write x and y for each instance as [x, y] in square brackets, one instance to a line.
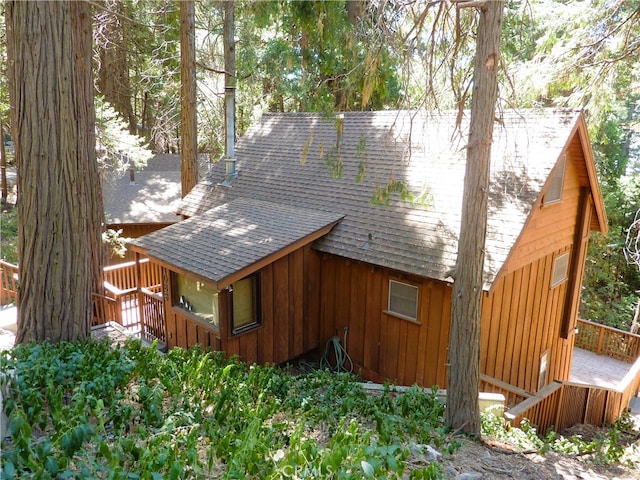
[257, 307]
[556, 182]
[394, 313]
[556, 261]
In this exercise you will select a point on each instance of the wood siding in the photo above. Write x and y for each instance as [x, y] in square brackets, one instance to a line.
[285, 331]
[353, 300]
[522, 315]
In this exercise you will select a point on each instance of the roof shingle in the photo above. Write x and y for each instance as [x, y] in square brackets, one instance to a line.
[298, 160]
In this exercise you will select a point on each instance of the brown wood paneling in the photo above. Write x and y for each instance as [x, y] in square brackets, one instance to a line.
[357, 311]
[510, 328]
[525, 363]
[421, 356]
[443, 345]
[266, 352]
[504, 328]
[312, 298]
[374, 304]
[296, 303]
[281, 310]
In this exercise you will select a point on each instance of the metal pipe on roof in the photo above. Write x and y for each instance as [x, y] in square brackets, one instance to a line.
[231, 172]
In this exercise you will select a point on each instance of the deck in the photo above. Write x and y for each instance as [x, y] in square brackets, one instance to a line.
[111, 330]
[589, 368]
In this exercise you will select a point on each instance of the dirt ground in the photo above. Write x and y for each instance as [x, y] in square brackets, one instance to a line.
[489, 460]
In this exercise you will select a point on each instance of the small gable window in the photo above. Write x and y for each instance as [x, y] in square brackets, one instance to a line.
[403, 300]
[560, 269]
[245, 304]
[556, 183]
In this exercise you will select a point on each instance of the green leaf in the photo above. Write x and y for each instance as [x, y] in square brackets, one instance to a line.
[367, 468]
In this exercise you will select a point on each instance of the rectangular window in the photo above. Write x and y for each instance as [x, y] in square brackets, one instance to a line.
[556, 182]
[403, 300]
[544, 367]
[245, 304]
[560, 269]
[197, 298]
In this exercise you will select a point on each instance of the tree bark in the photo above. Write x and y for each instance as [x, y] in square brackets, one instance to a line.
[466, 312]
[188, 118]
[60, 209]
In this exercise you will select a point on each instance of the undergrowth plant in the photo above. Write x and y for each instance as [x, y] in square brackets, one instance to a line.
[605, 448]
[91, 410]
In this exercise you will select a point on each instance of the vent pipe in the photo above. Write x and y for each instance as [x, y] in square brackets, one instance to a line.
[231, 172]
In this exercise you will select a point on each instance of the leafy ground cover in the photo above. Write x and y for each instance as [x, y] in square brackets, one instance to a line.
[93, 410]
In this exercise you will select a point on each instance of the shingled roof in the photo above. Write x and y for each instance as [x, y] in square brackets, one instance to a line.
[310, 161]
[153, 196]
[234, 240]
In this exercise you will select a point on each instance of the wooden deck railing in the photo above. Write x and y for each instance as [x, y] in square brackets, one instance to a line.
[9, 280]
[123, 275]
[608, 341]
[119, 302]
[540, 409]
[512, 395]
[153, 324]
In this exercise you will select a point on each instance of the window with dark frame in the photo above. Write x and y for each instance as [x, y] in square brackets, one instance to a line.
[403, 300]
[556, 183]
[245, 304]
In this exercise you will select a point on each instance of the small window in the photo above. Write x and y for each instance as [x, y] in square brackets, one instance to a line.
[245, 304]
[556, 182]
[403, 300]
[560, 269]
[543, 374]
[197, 298]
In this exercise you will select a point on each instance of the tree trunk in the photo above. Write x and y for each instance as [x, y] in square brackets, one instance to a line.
[188, 118]
[113, 70]
[60, 209]
[466, 311]
[3, 166]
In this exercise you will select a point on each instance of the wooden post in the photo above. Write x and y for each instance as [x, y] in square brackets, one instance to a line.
[600, 340]
[140, 295]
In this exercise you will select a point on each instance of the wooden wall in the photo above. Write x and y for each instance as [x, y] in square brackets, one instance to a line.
[285, 332]
[354, 295]
[522, 314]
[521, 320]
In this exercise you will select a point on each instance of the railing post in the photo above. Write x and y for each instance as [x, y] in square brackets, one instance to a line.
[140, 296]
[600, 340]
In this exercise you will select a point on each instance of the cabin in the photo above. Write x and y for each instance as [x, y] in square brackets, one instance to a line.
[347, 227]
[142, 200]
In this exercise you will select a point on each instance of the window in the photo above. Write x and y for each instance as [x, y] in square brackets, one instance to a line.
[197, 298]
[403, 300]
[544, 363]
[560, 269]
[556, 182]
[245, 304]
